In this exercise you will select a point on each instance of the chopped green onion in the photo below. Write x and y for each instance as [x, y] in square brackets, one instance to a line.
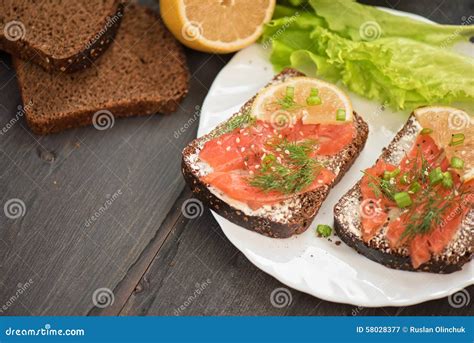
[313, 100]
[415, 187]
[324, 230]
[426, 131]
[390, 175]
[402, 199]
[314, 92]
[447, 180]
[457, 139]
[341, 115]
[290, 92]
[457, 163]
[436, 176]
[404, 179]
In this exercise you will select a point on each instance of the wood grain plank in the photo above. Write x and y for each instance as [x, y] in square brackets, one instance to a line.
[63, 179]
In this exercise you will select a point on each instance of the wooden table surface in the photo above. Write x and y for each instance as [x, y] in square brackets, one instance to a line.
[141, 248]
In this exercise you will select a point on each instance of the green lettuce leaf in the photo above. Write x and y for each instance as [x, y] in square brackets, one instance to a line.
[400, 72]
[361, 22]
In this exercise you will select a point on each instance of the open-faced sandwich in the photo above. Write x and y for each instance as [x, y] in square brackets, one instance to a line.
[270, 166]
[414, 209]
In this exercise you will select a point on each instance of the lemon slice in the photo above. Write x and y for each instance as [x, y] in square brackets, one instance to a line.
[216, 26]
[443, 123]
[311, 100]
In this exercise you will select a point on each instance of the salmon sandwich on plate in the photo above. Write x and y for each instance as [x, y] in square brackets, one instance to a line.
[271, 165]
[414, 209]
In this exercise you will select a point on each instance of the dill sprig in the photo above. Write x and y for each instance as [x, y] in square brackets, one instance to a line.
[381, 187]
[292, 172]
[238, 121]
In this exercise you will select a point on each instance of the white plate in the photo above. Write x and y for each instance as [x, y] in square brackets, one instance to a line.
[307, 263]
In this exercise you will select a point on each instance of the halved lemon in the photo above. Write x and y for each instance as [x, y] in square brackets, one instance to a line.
[216, 26]
[453, 130]
[311, 100]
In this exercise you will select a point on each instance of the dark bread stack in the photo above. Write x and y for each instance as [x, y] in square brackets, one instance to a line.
[142, 72]
[59, 35]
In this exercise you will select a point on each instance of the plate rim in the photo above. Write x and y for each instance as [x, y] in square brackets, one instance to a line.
[299, 286]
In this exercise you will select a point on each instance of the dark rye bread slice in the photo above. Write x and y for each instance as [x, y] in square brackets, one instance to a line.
[348, 225]
[281, 220]
[143, 72]
[59, 35]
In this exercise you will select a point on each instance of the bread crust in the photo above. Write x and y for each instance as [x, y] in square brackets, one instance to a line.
[28, 51]
[42, 122]
[393, 259]
[311, 200]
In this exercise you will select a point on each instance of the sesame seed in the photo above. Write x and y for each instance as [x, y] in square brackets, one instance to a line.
[242, 149]
[279, 159]
[252, 146]
[257, 166]
[228, 148]
[287, 152]
[263, 156]
[301, 133]
[280, 136]
[237, 140]
[278, 149]
[219, 143]
[251, 172]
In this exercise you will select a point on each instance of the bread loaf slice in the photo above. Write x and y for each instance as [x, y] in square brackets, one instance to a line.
[347, 221]
[293, 216]
[59, 35]
[143, 72]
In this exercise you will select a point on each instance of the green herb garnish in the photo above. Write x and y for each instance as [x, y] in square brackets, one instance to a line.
[288, 101]
[341, 115]
[324, 230]
[426, 131]
[289, 173]
[313, 98]
[457, 139]
[402, 199]
[457, 163]
[235, 122]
